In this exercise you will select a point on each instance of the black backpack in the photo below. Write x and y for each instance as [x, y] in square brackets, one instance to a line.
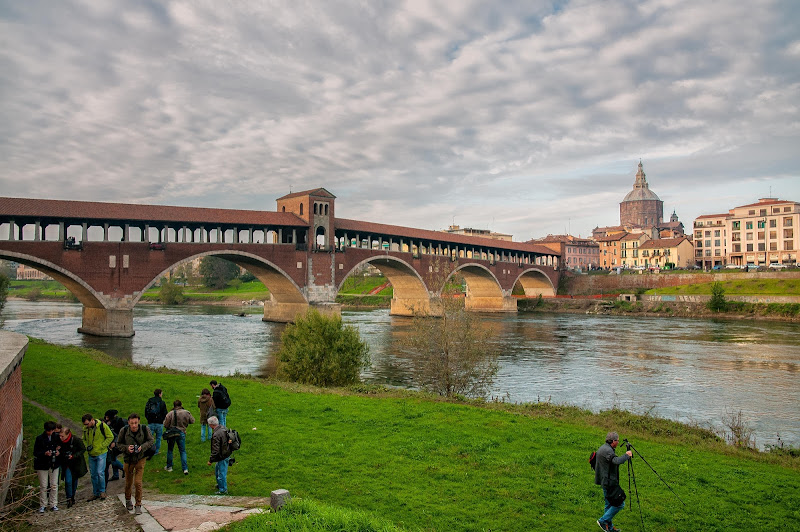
[224, 399]
[234, 441]
[152, 408]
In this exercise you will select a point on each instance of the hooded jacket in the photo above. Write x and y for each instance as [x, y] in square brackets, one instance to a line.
[205, 403]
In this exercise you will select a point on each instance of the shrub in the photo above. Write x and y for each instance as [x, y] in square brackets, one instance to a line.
[318, 349]
[171, 294]
[717, 303]
[3, 290]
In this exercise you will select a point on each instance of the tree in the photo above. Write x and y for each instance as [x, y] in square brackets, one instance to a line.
[3, 290]
[717, 303]
[217, 272]
[171, 294]
[318, 349]
[452, 354]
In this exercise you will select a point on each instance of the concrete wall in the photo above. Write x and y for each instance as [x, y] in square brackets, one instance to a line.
[12, 349]
[705, 299]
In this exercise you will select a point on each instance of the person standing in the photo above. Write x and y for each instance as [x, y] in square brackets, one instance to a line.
[133, 441]
[97, 436]
[222, 401]
[207, 408]
[47, 462]
[220, 454]
[112, 461]
[606, 474]
[179, 418]
[155, 411]
[73, 464]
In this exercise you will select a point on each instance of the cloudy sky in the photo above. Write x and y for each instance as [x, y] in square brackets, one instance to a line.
[524, 117]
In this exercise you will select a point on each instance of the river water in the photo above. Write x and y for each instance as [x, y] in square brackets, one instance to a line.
[694, 370]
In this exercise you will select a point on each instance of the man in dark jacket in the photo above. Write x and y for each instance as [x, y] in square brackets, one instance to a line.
[155, 411]
[222, 401]
[220, 454]
[47, 462]
[606, 474]
[133, 441]
[116, 423]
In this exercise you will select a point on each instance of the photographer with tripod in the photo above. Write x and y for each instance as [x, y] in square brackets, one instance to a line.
[606, 474]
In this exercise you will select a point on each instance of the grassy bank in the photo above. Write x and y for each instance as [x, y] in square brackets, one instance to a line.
[742, 287]
[422, 463]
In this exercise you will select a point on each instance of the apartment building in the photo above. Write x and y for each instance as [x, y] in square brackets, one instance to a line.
[667, 253]
[711, 240]
[609, 250]
[756, 234]
[629, 249]
[576, 253]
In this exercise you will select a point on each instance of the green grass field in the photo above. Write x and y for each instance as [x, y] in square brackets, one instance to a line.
[743, 287]
[420, 463]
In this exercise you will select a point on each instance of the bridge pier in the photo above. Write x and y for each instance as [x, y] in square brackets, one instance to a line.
[414, 306]
[107, 322]
[277, 312]
[503, 303]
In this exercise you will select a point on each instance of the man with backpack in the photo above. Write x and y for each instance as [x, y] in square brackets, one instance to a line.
[175, 424]
[116, 423]
[97, 436]
[223, 443]
[606, 474]
[222, 401]
[133, 441]
[155, 411]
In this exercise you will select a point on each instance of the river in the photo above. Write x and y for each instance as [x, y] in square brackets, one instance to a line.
[690, 370]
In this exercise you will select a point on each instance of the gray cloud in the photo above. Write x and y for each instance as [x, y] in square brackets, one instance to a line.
[518, 115]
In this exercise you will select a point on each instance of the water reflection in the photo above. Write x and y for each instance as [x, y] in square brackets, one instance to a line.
[689, 370]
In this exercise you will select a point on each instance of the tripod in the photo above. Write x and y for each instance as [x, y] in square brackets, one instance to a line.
[632, 474]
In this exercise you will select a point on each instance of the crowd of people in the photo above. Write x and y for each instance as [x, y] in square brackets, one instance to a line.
[60, 454]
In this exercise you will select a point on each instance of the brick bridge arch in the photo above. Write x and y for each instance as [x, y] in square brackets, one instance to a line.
[410, 293]
[285, 294]
[536, 282]
[484, 291]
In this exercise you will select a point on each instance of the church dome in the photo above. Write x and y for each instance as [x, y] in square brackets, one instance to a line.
[639, 194]
[641, 190]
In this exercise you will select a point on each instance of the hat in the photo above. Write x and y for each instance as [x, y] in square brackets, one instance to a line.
[111, 414]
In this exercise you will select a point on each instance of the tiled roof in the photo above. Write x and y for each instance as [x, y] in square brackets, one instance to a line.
[93, 210]
[365, 228]
[632, 236]
[608, 229]
[312, 192]
[764, 202]
[611, 238]
[662, 243]
[712, 216]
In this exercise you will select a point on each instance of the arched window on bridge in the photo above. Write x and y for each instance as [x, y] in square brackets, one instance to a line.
[315, 208]
[301, 209]
[320, 237]
[283, 208]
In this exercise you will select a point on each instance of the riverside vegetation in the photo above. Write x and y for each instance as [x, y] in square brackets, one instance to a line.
[370, 458]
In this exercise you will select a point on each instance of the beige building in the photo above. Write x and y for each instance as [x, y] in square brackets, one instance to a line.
[710, 240]
[468, 231]
[757, 234]
[26, 273]
[629, 249]
[667, 253]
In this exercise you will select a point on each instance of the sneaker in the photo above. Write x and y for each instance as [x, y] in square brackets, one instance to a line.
[185, 471]
[129, 506]
[603, 526]
[54, 508]
[614, 529]
[168, 469]
[103, 496]
[116, 477]
[42, 509]
[138, 511]
[220, 492]
[93, 498]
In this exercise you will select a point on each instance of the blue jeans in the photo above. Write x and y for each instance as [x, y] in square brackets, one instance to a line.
[97, 468]
[113, 462]
[181, 441]
[70, 483]
[221, 472]
[222, 413]
[205, 432]
[611, 511]
[156, 429]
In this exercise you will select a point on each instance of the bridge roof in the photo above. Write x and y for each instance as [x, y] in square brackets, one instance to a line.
[365, 228]
[94, 210]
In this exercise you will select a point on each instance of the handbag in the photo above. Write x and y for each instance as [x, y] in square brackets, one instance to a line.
[615, 495]
[173, 432]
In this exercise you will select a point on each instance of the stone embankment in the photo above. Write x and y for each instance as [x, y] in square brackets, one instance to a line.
[573, 284]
